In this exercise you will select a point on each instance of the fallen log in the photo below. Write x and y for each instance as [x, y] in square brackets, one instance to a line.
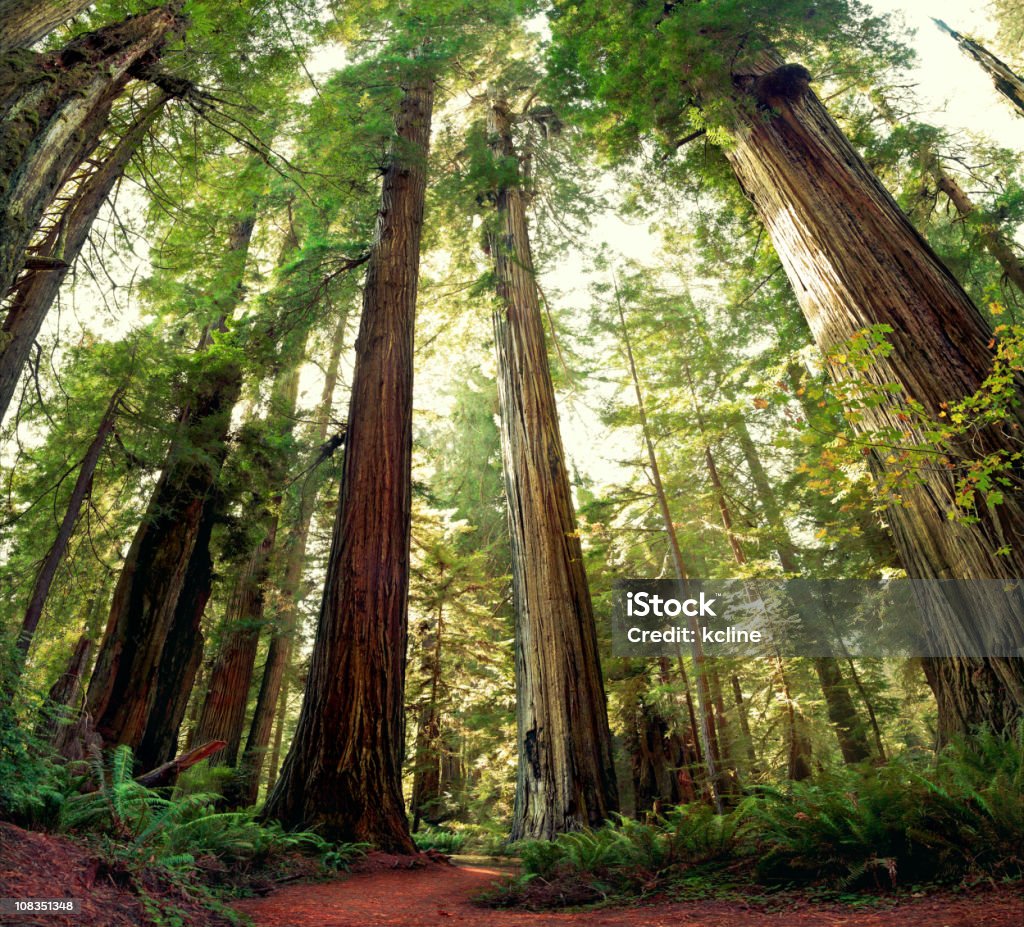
[169, 772]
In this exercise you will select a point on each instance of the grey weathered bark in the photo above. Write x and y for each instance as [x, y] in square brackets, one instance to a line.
[79, 493]
[25, 22]
[1006, 80]
[35, 291]
[122, 691]
[566, 775]
[343, 773]
[855, 261]
[53, 110]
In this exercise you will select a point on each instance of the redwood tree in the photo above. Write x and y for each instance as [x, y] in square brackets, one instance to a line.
[27, 21]
[854, 261]
[566, 776]
[123, 687]
[53, 109]
[343, 773]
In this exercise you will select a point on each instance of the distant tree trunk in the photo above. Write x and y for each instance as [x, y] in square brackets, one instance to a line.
[707, 727]
[647, 742]
[64, 695]
[25, 22]
[83, 485]
[426, 780]
[275, 755]
[997, 244]
[179, 664]
[53, 109]
[343, 773]
[35, 291]
[227, 693]
[741, 711]
[853, 741]
[123, 687]
[279, 650]
[566, 775]
[1007, 81]
[854, 261]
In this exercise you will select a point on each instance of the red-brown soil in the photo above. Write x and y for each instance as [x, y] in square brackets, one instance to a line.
[440, 896]
[35, 865]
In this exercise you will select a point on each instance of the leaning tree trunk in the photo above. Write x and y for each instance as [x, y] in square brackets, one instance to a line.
[123, 686]
[343, 774]
[25, 22]
[223, 713]
[179, 664]
[855, 261]
[998, 244]
[227, 695]
[1007, 81]
[60, 247]
[80, 492]
[842, 713]
[53, 109]
[566, 775]
[287, 601]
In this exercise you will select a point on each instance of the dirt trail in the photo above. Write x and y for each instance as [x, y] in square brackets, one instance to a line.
[439, 896]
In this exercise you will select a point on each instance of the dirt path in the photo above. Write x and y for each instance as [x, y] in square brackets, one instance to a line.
[438, 896]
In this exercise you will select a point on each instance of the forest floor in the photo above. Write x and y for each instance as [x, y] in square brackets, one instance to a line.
[440, 895]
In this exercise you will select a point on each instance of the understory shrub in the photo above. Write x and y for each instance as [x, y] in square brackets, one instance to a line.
[915, 819]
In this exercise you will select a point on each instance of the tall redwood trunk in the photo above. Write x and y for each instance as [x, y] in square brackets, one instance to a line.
[53, 109]
[25, 22]
[80, 492]
[343, 774]
[122, 691]
[855, 261]
[566, 776]
[287, 602]
[36, 290]
[1007, 81]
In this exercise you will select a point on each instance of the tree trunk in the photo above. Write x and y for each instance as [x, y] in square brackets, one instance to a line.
[275, 755]
[343, 774]
[227, 695]
[426, 780]
[64, 694]
[53, 109]
[566, 775]
[1007, 81]
[855, 261]
[707, 728]
[288, 599]
[123, 686]
[25, 22]
[179, 664]
[83, 485]
[853, 741]
[36, 290]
